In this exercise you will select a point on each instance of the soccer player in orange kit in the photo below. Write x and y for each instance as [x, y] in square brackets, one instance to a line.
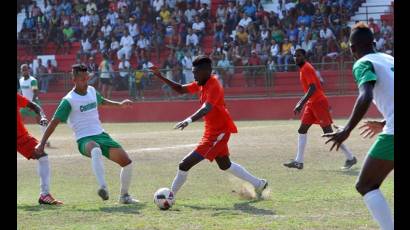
[218, 126]
[316, 111]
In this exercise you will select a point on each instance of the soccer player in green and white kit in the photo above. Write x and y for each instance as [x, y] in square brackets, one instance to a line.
[80, 109]
[374, 75]
[29, 89]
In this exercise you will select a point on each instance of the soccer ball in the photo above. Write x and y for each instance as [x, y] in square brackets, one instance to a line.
[164, 198]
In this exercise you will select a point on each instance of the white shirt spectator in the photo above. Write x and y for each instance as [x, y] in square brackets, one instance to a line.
[121, 3]
[307, 45]
[91, 6]
[241, 2]
[245, 22]
[106, 30]
[190, 14]
[200, 26]
[115, 45]
[112, 18]
[380, 44]
[124, 65]
[127, 41]
[264, 34]
[157, 4]
[274, 50]
[192, 39]
[133, 29]
[143, 43]
[326, 34]
[187, 71]
[85, 19]
[225, 63]
[171, 4]
[86, 45]
[101, 44]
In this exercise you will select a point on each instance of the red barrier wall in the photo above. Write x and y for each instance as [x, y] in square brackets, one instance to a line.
[240, 109]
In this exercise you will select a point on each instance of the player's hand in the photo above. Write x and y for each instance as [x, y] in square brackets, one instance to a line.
[155, 71]
[43, 121]
[297, 109]
[39, 149]
[126, 102]
[181, 125]
[337, 137]
[371, 128]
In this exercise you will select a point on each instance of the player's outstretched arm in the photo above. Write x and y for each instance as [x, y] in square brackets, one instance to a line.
[39, 111]
[49, 130]
[206, 108]
[181, 89]
[360, 108]
[107, 102]
[304, 99]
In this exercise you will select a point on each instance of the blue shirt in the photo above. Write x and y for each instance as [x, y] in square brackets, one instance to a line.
[249, 10]
[306, 20]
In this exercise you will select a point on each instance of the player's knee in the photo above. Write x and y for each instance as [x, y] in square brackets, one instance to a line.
[90, 145]
[184, 166]
[364, 188]
[302, 130]
[224, 165]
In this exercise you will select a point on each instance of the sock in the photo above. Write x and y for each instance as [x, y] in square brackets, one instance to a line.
[379, 209]
[346, 151]
[179, 180]
[239, 171]
[43, 130]
[98, 166]
[125, 178]
[44, 173]
[301, 147]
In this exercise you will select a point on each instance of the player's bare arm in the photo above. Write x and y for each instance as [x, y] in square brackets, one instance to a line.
[122, 103]
[360, 108]
[206, 108]
[181, 89]
[39, 111]
[50, 129]
[304, 99]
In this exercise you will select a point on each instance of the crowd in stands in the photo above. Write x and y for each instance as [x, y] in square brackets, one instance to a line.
[244, 34]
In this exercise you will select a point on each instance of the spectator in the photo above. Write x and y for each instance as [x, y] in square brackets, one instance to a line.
[106, 29]
[143, 46]
[86, 48]
[35, 10]
[304, 19]
[221, 13]
[334, 20]
[231, 16]
[133, 28]
[198, 27]
[373, 26]
[79, 7]
[264, 35]
[126, 45]
[326, 34]
[303, 31]
[253, 70]
[114, 46]
[139, 83]
[41, 75]
[67, 7]
[124, 68]
[69, 38]
[292, 33]
[386, 29]
[285, 55]
[226, 70]
[92, 69]
[242, 36]
[157, 5]
[308, 45]
[146, 65]
[94, 18]
[204, 12]
[119, 29]
[165, 15]
[318, 18]
[331, 54]
[249, 9]
[190, 13]
[277, 34]
[102, 43]
[167, 67]
[192, 40]
[218, 32]
[91, 6]
[105, 69]
[380, 42]
[274, 51]
[245, 21]
[187, 68]
[85, 20]
[146, 28]
[112, 17]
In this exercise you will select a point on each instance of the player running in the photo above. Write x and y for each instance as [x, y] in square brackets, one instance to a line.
[374, 75]
[29, 89]
[218, 126]
[316, 111]
[80, 109]
[26, 146]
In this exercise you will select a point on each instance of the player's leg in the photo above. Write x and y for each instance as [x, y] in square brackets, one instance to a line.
[377, 165]
[302, 138]
[93, 150]
[373, 173]
[350, 159]
[119, 156]
[184, 166]
[225, 164]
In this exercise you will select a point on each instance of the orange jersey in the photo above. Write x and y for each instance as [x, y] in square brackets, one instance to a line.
[218, 120]
[21, 103]
[308, 76]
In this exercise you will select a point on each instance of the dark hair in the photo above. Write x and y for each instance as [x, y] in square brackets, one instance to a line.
[78, 68]
[361, 36]
[202, 61]
[302, 51]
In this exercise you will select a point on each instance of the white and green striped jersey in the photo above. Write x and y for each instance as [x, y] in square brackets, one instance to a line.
[379, 67]
[81, 112]
[28, 86]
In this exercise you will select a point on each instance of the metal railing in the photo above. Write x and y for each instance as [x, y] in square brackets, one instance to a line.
[238, 81]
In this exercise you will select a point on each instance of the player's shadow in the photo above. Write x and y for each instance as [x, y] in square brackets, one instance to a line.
[129, 209]
[245, 207]
[351, 172]
[37, 207]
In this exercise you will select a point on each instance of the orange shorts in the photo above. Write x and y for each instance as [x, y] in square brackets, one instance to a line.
[317, 112]
[214, 145]
[25, 145]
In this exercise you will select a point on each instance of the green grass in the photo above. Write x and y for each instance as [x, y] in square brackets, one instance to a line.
[318, 197]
